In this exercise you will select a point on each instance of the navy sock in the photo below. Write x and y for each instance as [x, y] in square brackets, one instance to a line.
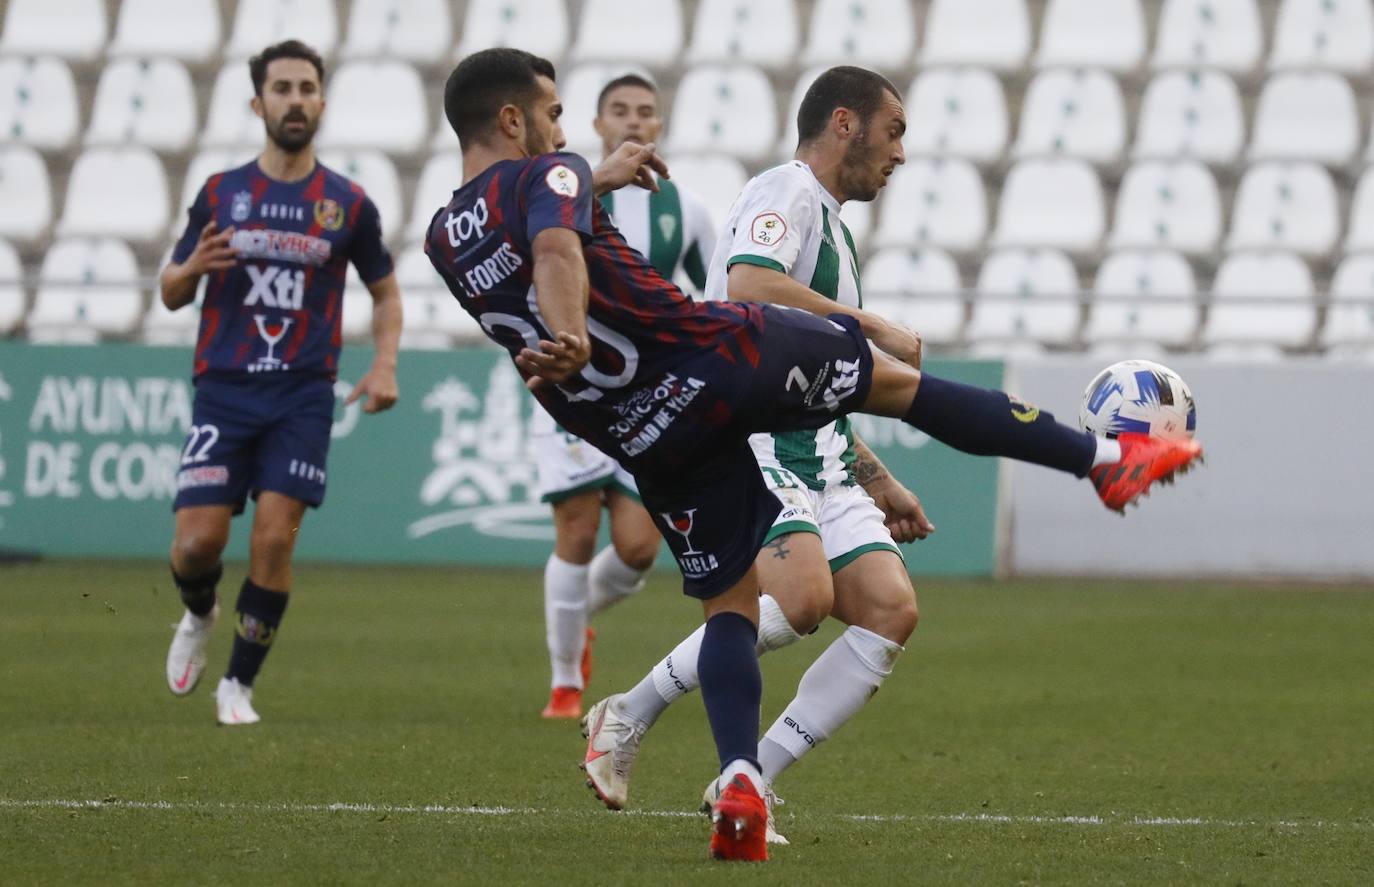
[731, 686]
[992, 423]
[259, 613]
[198, 592]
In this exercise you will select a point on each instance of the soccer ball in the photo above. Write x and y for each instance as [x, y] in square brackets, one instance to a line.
[1139, 396]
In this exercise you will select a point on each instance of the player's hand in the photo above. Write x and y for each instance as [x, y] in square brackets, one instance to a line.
[630, 164]
[554, 362]
[902, 512]
[212, 252]
[379, 384]
[899, 341]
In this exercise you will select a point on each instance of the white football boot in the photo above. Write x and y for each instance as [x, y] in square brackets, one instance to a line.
[186, 657]
[712, 794]
[612, 746]
[234, 704]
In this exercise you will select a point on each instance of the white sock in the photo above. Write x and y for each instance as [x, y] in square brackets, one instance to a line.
[565, 619]
[738, 766]
[611, 580]
[676, 674]
[1108, 452]
[831, 692]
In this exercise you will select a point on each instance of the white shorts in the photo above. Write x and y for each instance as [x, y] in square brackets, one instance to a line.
[845, 517]
[569, 465]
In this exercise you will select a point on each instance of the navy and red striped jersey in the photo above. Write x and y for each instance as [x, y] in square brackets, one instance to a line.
[640, 324]
[279, 308]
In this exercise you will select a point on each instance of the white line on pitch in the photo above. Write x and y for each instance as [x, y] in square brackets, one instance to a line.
[479, 810]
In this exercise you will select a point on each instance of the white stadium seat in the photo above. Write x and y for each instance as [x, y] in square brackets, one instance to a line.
[727, 109]
[1223, 34]
[11, 291]
[202, 166]
[650, 33]
[1055, 203]
[956, 111]
[1285, 206]
[144, 103]
[578, 92]
[87, 289]
[375, 105]
[986, 33]
[1171, 205]
[433, 317]
[72, 29]
[230, 122]
[37, 103]
[936, 202]
[537, 26]
[418, 31]
[25, 194]
[1192, 113]
[1244, 282]
[441, 176]
[355, 324]
[260, 23]
[731, 31]
[716, 178]
[919, 288]
[1026, 295]
[875, 33]
[187, 30]
[377, 175]
[1306, 116]
[787, 145]
[1361, 229]
[116, 192]
[858, 218]
[1137, 297]
[1092, 34]
[1073, 113]
[1350, 317]
[1334, 34]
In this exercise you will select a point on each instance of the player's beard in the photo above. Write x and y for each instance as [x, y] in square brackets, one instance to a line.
[857, 164]
[292, 141]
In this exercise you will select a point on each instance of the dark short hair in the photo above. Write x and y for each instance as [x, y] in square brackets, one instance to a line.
[287, 49]
[487, 80]
[858, 89]
[622, 80]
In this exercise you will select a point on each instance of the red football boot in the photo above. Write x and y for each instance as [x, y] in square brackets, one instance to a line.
[1144, 460]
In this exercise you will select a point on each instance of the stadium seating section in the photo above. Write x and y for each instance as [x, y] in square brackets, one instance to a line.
[1105, 175]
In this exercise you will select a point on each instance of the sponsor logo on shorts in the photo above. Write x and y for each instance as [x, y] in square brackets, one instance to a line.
[768, 228]
[202, 476]
[694, 563]
[306, 471]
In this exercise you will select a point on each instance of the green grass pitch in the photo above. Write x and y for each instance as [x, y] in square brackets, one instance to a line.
[1034, 732]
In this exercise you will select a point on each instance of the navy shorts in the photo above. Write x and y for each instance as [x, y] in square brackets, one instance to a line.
[254, 433]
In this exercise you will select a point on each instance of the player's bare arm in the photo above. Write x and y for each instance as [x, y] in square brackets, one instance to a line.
[901, 508]
[212, 253]
[560, 286]
[630, 164]
[754, 283]
[378, 385]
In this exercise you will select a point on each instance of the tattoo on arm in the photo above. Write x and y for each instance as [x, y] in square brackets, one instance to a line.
[779, 546]
[867, 468]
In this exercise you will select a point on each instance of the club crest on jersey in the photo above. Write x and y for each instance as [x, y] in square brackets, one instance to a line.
[562, 181]
[241, 206]
[768, 228]
[328, 214]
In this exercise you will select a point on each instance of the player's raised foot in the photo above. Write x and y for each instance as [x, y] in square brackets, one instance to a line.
[770, 800]
[587, 658]
[186, 657]
[1144, 461]
[234, 704]
[612, 746]
[564, 703]
[739, 823]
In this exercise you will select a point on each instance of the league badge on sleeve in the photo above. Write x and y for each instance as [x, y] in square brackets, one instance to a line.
[562, 181]
[768, 228]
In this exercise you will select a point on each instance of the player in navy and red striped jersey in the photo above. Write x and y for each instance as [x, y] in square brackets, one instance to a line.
[672, 388]
[273, 240]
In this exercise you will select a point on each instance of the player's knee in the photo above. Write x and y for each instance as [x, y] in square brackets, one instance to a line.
[896, 617]
[638, 554]
[272, 545]
[197, 550]
[805, 603]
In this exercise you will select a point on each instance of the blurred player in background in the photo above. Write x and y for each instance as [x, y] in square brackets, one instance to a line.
[273, 238]
[672, 229]
[833, 546]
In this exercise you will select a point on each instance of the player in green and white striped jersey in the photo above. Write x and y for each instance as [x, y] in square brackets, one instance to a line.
[832, 549]
[672, 228]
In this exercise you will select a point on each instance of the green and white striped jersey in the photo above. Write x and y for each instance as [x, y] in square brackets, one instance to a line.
[785, 220]
[672, 229]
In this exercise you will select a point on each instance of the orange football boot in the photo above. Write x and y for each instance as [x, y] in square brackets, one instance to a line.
[739, 823]
[564, 702]
[1144, 460]
[587, 658]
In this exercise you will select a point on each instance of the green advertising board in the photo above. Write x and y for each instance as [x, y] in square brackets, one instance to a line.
[91, 440]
